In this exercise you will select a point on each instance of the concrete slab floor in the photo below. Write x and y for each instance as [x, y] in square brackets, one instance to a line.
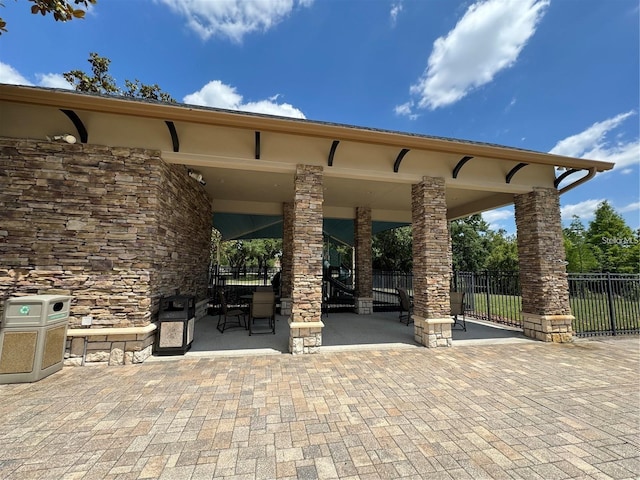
[341, 331]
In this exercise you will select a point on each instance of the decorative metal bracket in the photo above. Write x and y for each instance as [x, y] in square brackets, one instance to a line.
[590, 174]
[396, 165]
[257, 145]
[332, 152]
[460, 164]
[75, 119]
[174, 135]
[514, 170]
[564, 175]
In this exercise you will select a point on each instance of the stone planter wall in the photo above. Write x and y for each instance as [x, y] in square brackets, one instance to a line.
[115, 228]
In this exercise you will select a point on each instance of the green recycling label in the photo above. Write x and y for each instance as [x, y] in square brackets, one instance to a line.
[24, 310]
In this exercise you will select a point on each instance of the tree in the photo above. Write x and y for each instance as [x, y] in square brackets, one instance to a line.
[634, 254]
[611, 239]
[502, 252]
[391, 250]
[215, 246]
[469, 243]
[580, 254]
[99, 81]
[235, 255]
[62, 10]
[263, 251]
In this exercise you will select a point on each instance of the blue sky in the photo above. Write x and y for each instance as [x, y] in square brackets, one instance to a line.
[556, 76]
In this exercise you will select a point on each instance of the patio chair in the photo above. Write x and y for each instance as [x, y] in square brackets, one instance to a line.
[229, 318]
[406, 306]
[458, 310]
[263, 307]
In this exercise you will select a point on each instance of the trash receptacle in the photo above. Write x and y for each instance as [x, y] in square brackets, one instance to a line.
[33, 335]
[176, 321]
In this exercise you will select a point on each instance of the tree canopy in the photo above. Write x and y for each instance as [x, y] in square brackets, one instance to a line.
[607, 245]
[392, 250]
[469, 243]
[61, 10]
[99, 81]
[475, 247]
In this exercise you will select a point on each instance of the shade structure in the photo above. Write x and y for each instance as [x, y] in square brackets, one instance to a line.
[235, 226]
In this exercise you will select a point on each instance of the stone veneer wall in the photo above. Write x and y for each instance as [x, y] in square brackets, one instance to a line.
[287, 249]
[543, 276]
[432, 263]
[307, 261]
[286, 278]
[364, 262]
[115, 228]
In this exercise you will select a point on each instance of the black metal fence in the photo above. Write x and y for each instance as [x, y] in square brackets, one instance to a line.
[605, 303]
[385, 296]
[491, 296]
[602, 303]
[237, 282]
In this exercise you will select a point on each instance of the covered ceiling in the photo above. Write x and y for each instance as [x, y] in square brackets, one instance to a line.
[248, 161]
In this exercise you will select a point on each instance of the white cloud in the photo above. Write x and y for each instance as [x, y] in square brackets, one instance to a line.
[53, 80]
[233, 18]
[406, 110]
[632, 207]
[487, 39]
[219, 95]
[585, 210]
[10, 75]
[495, 217]
[594, 144]
[396, 8]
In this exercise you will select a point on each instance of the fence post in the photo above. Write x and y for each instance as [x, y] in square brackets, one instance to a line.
[612, 310]
[486, 276]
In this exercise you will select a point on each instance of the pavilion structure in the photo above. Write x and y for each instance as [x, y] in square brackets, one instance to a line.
[111, 200]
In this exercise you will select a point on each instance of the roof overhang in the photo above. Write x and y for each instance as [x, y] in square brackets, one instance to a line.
[248, 160]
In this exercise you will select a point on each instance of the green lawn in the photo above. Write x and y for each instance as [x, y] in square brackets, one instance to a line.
[591, 312]
[502, 308]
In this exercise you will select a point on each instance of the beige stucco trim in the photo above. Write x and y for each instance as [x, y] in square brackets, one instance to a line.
[319, 324]
[432, 321]
[87, 332]
[207, 116]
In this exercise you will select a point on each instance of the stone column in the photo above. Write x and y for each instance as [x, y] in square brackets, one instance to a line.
[364, 269]
[543, 277]
[432, 262]
[305, 320]
[287, 259]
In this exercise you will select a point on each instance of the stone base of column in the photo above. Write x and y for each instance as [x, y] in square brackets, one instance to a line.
[433, 332]
[305, 337]
[286, 304]
[548, 328]
[364, 305]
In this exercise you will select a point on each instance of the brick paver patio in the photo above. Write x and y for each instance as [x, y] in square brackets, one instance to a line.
[526, 410]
